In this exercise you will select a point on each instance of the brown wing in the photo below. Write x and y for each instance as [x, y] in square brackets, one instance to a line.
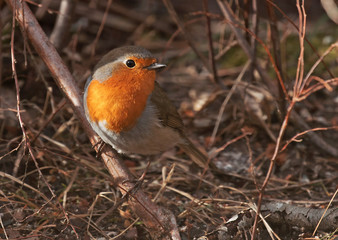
[167, 112]
[169, 117]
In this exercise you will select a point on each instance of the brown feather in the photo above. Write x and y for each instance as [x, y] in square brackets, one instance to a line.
[167, 112]
[170, 118]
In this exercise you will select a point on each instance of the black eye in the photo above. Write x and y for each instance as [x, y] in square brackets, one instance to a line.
[130, 63]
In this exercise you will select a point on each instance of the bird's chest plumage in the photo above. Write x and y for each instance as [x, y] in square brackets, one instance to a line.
[120, 100]
[126, 119]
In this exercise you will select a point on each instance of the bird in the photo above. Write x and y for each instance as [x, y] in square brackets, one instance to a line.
[129, 110]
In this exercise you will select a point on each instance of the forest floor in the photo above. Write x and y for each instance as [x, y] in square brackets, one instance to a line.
[237, 121]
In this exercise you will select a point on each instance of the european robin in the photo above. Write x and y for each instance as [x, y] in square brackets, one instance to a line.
[129, 110]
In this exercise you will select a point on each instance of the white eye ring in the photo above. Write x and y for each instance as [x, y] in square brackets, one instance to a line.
[130, 63]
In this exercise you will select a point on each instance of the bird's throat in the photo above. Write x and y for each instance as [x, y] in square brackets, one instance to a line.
[120, 100]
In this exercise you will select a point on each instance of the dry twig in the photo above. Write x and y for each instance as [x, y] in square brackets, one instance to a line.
[210, 43]
[187, 36]
[298, 89]
[63, 23]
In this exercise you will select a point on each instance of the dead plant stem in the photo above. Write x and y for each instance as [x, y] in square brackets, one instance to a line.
[327, 207]
[99, 32]
[210, 43]
[307, 40]
[271, 166]
[297, 85]
[187, 36]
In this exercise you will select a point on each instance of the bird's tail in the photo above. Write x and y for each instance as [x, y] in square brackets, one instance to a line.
[195, 154]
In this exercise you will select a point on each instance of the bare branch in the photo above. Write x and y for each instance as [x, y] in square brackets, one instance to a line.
[63, 23]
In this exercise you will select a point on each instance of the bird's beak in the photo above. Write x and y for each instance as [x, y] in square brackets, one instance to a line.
[155, 66]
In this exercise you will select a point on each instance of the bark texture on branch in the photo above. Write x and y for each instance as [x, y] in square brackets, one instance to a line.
[307, 218]
[286, 216]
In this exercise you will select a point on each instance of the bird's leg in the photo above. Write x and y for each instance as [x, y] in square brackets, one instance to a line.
[100, 144]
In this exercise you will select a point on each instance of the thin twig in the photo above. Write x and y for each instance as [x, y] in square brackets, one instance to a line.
[3, 227]
[24, 135]
[276, 52]
[299, 78]
[187, 36]
[327, 207]
[272, 164]
[125, 230]
[220, 149]
[300, 65]
[315, 138]
[165, 181]
[13, 150]
[61, 104]
[104, 18]
[307, 77]
[63, 23]
[210, 42]
[3, 174]
[225, 102]
[294, 138]
[266, 224]
[72, 180]
[174, 35]
[235, 24]
[307, 40]
[318, 86]
[253, 42]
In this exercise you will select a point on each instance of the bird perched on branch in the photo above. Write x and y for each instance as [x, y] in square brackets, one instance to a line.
[129, 110]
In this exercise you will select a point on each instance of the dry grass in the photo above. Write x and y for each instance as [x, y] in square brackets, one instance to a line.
[268, 120]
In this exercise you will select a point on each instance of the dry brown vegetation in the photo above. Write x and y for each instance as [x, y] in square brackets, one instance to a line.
[257, 90]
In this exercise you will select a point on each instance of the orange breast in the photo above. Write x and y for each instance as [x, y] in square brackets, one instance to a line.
[121, 99]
